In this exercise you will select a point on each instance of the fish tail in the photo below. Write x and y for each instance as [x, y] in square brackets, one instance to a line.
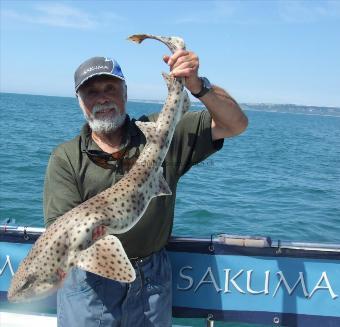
[174, 43]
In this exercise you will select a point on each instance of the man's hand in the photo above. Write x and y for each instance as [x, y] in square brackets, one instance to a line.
[185, 64]
[227, 117]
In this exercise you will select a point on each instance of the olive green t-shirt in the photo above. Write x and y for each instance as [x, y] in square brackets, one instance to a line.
[72, 178]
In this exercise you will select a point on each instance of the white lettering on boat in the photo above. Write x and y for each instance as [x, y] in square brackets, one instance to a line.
[289, 289]
[266, 283]
[185, 277]
[9, 264]
[327, 287]
[211, 280]
[232, 281]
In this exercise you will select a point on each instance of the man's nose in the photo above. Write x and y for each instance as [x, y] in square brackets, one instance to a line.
[103, 98]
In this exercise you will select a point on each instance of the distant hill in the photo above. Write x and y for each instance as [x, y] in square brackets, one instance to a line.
[292, 108]
[270, 107]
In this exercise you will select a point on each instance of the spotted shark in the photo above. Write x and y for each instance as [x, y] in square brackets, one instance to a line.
[73, 239]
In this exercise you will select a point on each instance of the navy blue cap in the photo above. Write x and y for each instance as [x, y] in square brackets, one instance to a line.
[97, 66]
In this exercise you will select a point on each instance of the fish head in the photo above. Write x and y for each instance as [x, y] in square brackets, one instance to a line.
[28, 284]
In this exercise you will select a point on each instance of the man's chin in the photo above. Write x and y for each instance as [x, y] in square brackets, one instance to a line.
[107, 125]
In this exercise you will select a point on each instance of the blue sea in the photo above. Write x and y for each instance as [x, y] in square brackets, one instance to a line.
[280, 178]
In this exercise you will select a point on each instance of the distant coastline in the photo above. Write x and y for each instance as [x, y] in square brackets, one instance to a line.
[292, 108]
[265, 107]
[271, 107]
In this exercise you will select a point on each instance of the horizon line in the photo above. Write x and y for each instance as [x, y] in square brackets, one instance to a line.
[194, 102]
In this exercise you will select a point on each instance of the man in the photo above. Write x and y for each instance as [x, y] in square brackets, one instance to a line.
[106, 148]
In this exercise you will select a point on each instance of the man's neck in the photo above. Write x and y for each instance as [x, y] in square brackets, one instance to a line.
[109, 142]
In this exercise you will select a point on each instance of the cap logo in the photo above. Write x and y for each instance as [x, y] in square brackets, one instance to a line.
[88, 70]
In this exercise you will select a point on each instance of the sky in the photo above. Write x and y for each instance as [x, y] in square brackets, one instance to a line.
[259, 51]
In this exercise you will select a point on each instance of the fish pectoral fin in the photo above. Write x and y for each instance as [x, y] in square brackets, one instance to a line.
[164, 188]
[148, 128]
[107, 258]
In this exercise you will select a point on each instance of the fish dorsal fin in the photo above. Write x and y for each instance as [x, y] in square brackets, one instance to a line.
[148, 129]
[107, 258]
[164, 188]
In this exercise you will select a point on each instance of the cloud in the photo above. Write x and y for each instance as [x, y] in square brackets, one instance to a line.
[308, 11]
[54, 14]
[218, 13]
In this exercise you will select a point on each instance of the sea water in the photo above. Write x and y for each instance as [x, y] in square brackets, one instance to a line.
[280, 178]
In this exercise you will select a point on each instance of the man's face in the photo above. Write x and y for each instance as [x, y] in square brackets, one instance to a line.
[103, 100]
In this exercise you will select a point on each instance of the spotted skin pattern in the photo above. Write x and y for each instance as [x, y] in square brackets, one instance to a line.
[83, 237]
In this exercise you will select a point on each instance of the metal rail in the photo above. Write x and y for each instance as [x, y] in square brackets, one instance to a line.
[227, 239]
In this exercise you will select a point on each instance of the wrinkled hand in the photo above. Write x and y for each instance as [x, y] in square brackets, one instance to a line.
[185, 64]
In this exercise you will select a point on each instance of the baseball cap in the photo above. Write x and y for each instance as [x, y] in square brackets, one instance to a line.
[97, 66]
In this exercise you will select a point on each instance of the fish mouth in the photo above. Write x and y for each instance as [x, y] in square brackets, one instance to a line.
[19, 297]
[31, 288]
[31, 294]
[13, 298]
[18, 292]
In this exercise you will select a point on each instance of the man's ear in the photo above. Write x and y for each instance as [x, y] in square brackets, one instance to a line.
[125, 86]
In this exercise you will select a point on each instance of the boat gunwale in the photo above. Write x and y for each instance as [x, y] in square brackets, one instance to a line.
[30, 235]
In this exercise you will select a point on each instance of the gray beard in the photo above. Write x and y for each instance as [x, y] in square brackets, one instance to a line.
[108, 124]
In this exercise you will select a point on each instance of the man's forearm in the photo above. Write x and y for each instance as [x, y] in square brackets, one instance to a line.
[228, 118]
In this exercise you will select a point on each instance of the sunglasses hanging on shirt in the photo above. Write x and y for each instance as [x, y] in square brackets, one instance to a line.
[121, 161]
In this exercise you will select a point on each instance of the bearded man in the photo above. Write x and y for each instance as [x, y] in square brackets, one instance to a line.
[107, 146]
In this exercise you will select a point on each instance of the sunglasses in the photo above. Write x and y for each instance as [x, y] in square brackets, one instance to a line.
[121, 160]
